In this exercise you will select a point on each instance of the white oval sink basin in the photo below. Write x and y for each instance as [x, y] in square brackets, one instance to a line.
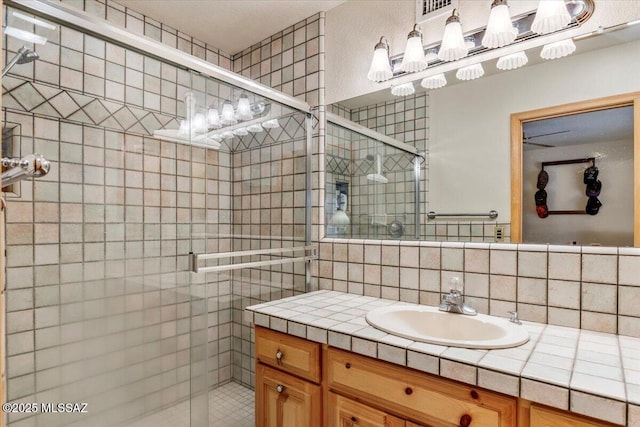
[430, 325]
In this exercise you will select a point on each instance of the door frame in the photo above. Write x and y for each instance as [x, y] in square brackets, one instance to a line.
[517, 121]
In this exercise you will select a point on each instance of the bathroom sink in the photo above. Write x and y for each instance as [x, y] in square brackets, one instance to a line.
[430, 325]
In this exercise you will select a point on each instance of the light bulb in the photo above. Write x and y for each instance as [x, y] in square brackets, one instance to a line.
[558, 49]
[213, 119]
[380, 69]
[470, 73]
[453, 46]
[413, 59]
[243, 112]
[434, 82]
[552, 15]
[228, 116]
[513, 61]
[500, 30]
[403, 89]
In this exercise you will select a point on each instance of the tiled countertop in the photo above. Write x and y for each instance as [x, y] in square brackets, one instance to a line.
[590, 373]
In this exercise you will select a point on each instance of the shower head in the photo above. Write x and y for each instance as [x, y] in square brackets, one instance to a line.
[376, 177]
[27, 56]
[24, 56]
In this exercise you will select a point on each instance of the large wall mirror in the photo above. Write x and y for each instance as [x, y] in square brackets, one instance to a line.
[465, 131]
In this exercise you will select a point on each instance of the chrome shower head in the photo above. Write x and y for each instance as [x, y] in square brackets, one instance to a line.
[24, 56]
[27, 56]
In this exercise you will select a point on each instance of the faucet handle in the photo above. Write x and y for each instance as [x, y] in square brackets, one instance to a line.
[514, 317]
[455, 284]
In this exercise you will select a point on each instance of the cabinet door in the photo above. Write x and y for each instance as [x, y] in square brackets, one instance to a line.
[344, 412]
[547, 417]
[286, 401]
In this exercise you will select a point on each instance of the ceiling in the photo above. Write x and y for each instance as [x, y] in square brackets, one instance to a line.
[230, 25]
[615, 124]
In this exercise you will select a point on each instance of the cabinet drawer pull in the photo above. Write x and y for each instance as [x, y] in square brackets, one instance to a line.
[347, 365]
[279, 356]
[465, 420]
[408, 391]
[354, 420]
[474, 394]
[280, 388]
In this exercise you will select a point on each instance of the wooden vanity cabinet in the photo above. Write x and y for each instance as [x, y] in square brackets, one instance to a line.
[345, 412]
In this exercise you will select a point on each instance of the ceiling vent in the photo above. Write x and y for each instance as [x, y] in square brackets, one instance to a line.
[427, 9]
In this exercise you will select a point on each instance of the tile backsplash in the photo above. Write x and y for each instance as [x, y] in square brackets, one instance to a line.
[594, 288]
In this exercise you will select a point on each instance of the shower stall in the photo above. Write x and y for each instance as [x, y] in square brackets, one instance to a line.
[178, 193]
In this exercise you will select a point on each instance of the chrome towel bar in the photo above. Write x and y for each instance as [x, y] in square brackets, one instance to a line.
[194, 259]
[492, 214]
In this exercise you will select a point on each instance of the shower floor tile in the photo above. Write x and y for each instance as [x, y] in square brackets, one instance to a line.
[230, 405]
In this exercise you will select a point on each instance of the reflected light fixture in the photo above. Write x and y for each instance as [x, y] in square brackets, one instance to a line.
[471, 72]
[255, 128]
[558, 49]
[453, 45]
[552, 15]
[434, 82]
[228, 115]
[413, 59]
[271, 124]
[241, 131]
[500, 30]
[380, 69]
[227, 135]
[243, 112]
[213, 119]
[513, 61]
[403, 89]
[21, 26]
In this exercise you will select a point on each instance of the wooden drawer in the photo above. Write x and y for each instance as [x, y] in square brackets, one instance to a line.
[288, 353]
[417, 396]
[542, 416]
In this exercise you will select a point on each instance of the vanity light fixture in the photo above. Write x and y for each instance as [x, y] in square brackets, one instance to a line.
[552, 15]
[227, 135]
[431, 55]
[471, 72]
[213, 118]
[558, 49]
[500, 30]
[241, 131]
[380, 69]
[453, 46]
[434, 82]
[228, 115]
[413, 59]
[513, 61]
[403, 89]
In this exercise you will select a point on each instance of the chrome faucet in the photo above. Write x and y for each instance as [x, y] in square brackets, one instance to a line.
[453, 302]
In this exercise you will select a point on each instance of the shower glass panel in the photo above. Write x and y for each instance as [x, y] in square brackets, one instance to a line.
[102, 305]
[370, 187]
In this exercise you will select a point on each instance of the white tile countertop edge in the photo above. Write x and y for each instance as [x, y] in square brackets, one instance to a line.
[590, 373]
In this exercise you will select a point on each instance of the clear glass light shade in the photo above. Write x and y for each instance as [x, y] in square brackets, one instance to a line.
[241, 132]
[228, 115]
[243, 112]
[558, 49]
[271, 124]
[227, 135]
[255, 128]
[413, 59]
[213, 118]
[513, 61]
[471, 72]
[380, 69]
[552, 15]
[500, 30]
[453, 46]
[434, 82]
[198, 123]
[403, 89]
